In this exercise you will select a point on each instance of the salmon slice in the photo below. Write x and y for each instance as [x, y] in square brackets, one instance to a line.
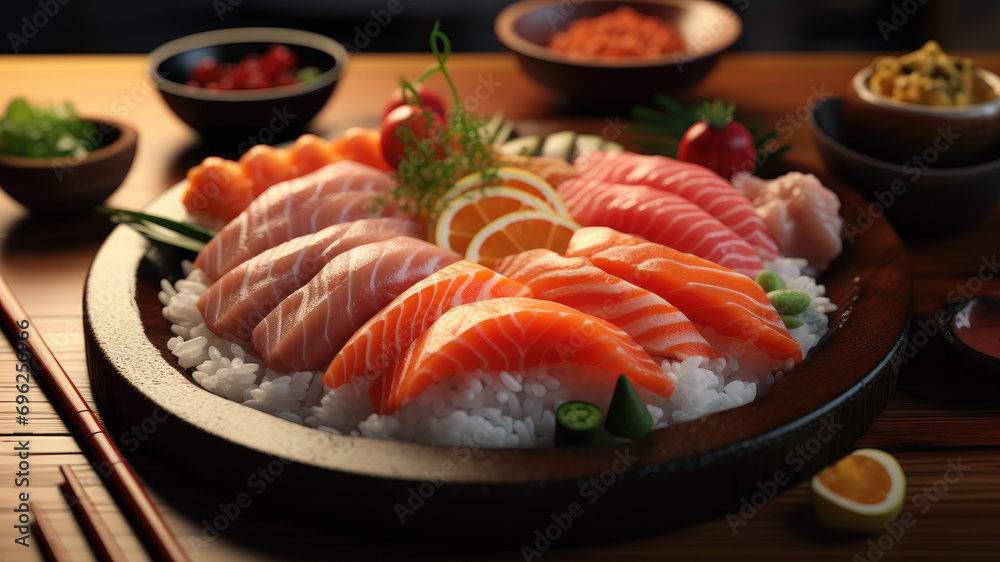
[512, 334]
[240, 299]
[307, 329]
[661, 217]
[377, 344]
[695, 183]
[341, 192]
[710, 295]
[655, 324]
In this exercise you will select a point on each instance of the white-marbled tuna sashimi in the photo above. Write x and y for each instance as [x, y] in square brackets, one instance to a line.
[698, 184]
[659, 216]
[655, 324]
[307, 329]
[240, 299]
[340, 192]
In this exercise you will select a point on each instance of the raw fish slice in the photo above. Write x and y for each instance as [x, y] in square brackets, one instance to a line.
[307, 329]
[710, 295]
[655, 324]
[512, 334]
[378, 343]
[240, 299]
[661, 217]
[695, 183]
[341, 192]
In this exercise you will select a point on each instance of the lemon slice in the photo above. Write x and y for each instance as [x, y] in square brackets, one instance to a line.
[466, 214]
[516, 178]
[519, 231]
[861, 492]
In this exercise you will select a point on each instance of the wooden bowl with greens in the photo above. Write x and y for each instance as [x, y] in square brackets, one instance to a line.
[58, 164]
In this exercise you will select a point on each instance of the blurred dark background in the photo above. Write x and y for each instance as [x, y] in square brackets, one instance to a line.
[131, 26]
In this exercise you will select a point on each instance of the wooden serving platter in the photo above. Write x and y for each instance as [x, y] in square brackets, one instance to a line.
[517, 497]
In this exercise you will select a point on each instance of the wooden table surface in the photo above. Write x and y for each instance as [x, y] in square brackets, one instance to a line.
[944, 429]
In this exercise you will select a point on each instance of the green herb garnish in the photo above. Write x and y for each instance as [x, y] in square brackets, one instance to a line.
[45, 131]
[183, 235]
[658, 131]
[433, 163]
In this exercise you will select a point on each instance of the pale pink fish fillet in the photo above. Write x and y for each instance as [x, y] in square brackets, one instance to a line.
[307, 329]
[240, 299]
[659, 216]
[340, 192]
[377, 344]
[698, 184]
[655, 324]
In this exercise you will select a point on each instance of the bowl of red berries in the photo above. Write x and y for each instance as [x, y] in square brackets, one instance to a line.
[260, 81]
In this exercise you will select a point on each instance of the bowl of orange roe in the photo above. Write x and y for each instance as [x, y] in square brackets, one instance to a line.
[619, 53]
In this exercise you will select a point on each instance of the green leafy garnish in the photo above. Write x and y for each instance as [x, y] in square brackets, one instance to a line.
[432, 165]
[658, 131]
[45, 131]
[183, 235]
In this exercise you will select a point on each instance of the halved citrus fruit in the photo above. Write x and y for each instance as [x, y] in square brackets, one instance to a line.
[519, 231]
[465, 215]
[861, 492]
[517, 178]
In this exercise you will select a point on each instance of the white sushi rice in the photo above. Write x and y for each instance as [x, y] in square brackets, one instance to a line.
[481, 408]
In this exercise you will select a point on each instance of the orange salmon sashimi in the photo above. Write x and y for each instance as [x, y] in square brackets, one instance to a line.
[240, 299]
[377, 344]
[710, 295]
[655, 324]
[337, 193]
[513, 333]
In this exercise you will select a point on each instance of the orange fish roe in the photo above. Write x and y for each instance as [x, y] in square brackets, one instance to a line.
[623, 32]
[218, 189]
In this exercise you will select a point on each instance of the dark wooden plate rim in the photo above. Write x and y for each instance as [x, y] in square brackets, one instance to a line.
[706, 465]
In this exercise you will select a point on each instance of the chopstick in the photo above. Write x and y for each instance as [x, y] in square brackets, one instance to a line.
[54, 548]
[83, 423]
[93, 523]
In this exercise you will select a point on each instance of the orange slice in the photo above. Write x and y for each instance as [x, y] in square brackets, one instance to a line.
[516, 178]
[861, 492]
[465, 215]
[519, 231]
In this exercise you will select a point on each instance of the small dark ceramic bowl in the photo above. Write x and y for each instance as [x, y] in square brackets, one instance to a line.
[66, 187]
[269, 113]
[708, 28]
[901, 132]
[916, 199]
[972, 333]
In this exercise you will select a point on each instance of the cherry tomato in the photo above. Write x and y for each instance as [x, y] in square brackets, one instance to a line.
[256, 81]
[276, 59]
[205, 70]
[428, 97]
[724, 150]
[408, 126]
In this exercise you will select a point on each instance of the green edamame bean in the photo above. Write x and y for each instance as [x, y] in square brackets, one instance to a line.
[789, 301]
[770, 281]
[791, 321]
